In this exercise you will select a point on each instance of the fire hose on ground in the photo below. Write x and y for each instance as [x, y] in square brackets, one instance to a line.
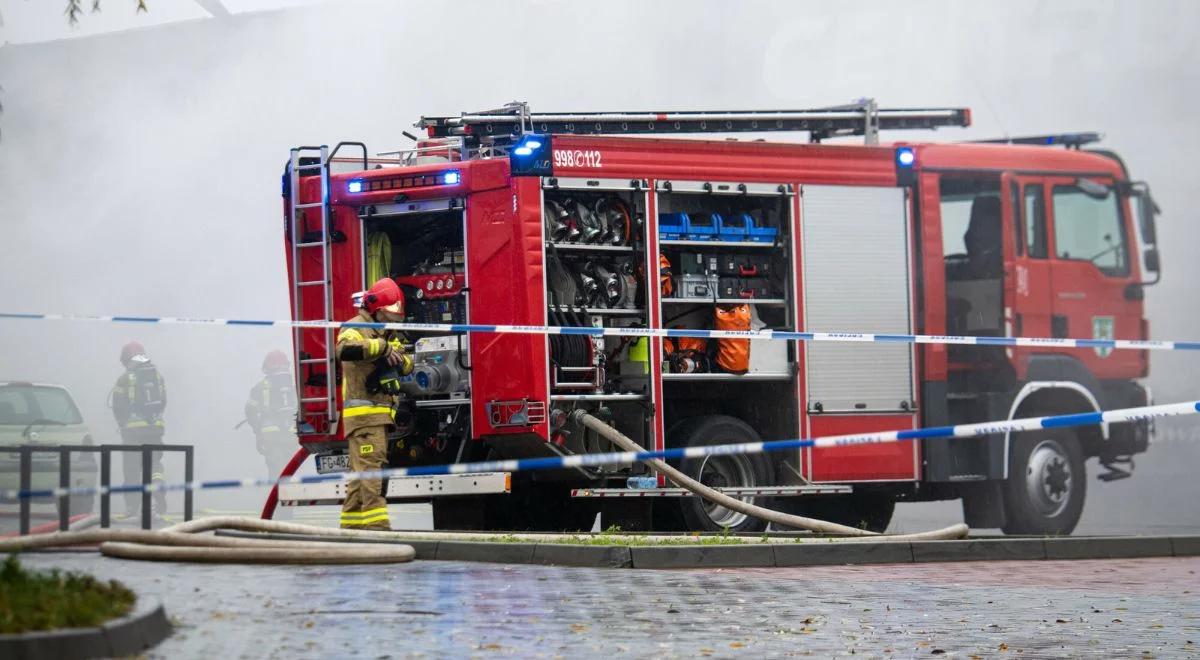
[183, 542]
[775, 517]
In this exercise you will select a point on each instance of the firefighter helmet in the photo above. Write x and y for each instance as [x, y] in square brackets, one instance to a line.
[275, 362]
[133, 349]
[386, 295]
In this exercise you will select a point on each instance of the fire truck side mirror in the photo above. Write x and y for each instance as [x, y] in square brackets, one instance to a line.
[1150, 258]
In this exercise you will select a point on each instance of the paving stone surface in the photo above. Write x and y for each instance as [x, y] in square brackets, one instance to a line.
[1108, 608]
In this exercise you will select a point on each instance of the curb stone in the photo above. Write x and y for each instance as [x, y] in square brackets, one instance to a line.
[129, 635]
[825, 554]
[1185, 546]
[591, 556]
[501, 553]
[1108, 548]
[702, 556]
[978, 550]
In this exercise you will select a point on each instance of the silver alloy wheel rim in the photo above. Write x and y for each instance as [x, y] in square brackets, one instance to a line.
[726, 472]
[1048, 478]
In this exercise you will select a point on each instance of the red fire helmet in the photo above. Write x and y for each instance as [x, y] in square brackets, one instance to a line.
[384, 293]
[130, 350]
[275, 361]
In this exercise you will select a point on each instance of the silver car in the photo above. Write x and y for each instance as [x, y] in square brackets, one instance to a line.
[44, 414]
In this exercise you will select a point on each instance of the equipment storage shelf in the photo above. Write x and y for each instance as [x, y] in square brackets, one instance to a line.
[587, 247]
[598, 397]
[718, 244]
[724, 301]
[594, 237]
[749, 376]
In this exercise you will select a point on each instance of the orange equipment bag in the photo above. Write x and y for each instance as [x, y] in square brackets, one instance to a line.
[733, 355]
[665, 285]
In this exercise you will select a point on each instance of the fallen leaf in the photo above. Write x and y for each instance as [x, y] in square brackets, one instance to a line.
[737, 645]
[1003, 646]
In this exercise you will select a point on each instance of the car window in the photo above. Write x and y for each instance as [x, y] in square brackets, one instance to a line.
[54, 403]
[15, 405]
[23, 404]
[1088, 228]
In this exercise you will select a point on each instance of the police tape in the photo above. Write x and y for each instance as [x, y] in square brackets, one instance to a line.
[788, 335]
[1138, 414]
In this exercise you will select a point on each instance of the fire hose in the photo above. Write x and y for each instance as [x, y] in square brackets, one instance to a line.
[183, 542]
[776, 517]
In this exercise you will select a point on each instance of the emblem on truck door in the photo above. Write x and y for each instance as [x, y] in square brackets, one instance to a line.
[1102, 328]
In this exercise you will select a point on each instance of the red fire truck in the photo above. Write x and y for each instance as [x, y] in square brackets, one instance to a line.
[614, 220]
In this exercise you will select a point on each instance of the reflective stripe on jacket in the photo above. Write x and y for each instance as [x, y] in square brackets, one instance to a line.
[357, 351]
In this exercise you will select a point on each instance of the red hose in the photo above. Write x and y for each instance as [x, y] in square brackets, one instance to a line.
[268, 510]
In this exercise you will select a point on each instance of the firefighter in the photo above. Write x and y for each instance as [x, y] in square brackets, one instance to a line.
[271, 412]
[372, 361]
[138, 400]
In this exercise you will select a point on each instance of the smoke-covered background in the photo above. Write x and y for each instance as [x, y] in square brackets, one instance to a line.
[139, 169]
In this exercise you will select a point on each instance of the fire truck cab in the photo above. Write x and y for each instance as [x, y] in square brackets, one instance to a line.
[510, 217]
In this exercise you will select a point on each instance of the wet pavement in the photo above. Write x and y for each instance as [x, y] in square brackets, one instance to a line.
[1125, 608]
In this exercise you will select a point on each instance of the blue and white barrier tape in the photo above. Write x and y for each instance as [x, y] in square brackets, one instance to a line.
[854, 337]
[613, 458]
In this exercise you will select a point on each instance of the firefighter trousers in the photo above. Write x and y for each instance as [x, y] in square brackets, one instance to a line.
[365, 507]
[132, 464]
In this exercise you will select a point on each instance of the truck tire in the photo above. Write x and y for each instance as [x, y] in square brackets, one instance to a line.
[1046, 484]
[737, 470]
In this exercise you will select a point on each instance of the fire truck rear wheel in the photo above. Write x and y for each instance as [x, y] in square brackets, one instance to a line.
[1046, 484]
[737, 470]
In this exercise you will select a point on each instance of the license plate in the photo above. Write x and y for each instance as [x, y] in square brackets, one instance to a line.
[333, 463]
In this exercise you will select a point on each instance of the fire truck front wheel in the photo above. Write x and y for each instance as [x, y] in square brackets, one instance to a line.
[1046, 483]
[733, 471]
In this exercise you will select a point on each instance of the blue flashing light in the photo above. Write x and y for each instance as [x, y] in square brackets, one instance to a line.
[905, 157]
[355, 186]
[451, 178]
[527, 146]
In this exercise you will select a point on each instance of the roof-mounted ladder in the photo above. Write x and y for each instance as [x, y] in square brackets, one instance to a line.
[1068, 140]
[863, 117]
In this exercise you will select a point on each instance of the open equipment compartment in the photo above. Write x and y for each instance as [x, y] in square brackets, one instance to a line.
[594, 235]
[729, 246]
[421, 247]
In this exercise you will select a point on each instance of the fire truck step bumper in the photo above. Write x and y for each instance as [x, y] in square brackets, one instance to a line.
[401, 488]
[765, 491]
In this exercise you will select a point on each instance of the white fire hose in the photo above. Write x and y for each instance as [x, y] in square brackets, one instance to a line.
[183, 542]
[777, 517]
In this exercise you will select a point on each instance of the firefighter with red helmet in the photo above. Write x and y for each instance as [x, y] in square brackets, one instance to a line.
[271, 412]
[372, 361]
[138, 400]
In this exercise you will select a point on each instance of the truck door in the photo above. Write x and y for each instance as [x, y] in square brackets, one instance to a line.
[1028, 290]
[1094, 291]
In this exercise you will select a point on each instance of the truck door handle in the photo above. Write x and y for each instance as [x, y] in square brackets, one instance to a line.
[1058, 327]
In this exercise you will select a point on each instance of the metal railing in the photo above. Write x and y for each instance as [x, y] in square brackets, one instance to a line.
[25, 470]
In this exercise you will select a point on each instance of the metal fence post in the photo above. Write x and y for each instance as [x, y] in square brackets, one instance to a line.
[64, 481]
[187, 476]
[105, 483]
[147, 457]
[26, 475]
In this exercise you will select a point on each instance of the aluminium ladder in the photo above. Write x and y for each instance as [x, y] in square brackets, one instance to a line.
[312, 244]
[863, 117]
